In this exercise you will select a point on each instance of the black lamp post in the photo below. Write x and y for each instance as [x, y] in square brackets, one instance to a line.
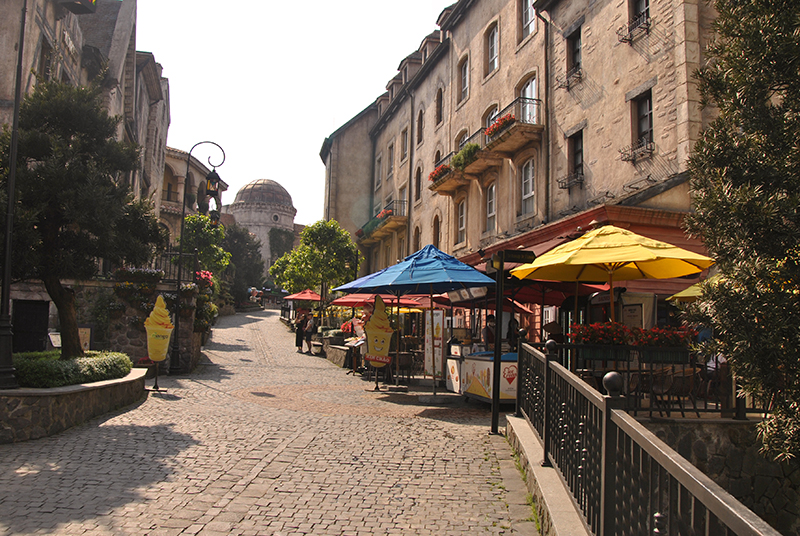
[212, 189]
[7, 379]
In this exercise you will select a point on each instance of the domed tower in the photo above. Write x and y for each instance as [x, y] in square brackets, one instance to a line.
[261, 206]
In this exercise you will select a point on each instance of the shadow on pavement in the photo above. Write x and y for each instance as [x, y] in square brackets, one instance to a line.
[78, 485]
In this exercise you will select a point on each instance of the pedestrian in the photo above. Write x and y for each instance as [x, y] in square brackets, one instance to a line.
[299, 333]
[512, 333]
[488, 333]
[308, 330]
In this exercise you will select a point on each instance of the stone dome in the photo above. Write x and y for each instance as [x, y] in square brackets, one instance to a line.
[264, 191]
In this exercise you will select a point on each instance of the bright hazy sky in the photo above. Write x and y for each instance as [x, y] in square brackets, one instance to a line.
[269, 81]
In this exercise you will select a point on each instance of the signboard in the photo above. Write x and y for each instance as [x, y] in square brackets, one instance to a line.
[476, 379]
[379, 336]
[518, 256]
[55, 339]
[434, 343]
[79, 7]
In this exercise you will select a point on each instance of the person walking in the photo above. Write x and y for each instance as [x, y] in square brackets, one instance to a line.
[308, 330]
[299, 332]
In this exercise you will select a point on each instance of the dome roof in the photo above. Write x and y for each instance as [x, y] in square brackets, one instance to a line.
[264, 191]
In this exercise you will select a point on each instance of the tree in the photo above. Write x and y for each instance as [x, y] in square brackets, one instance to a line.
[69, 209]
[322, 259]
[746, 192]
[200, 234]
[246, 268]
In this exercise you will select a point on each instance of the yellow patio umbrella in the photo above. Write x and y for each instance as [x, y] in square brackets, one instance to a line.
[692, 293]
[611, 254]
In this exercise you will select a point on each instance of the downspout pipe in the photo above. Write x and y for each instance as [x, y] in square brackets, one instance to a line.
[548, 150]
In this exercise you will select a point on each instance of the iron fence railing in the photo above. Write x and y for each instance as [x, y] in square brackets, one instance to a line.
[393, 208]
[166, 260]
[621, 477]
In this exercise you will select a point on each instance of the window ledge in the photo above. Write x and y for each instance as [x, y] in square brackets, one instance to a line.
[491, 75]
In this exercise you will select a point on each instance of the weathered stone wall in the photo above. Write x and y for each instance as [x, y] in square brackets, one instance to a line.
[728, 452]
[33, 413]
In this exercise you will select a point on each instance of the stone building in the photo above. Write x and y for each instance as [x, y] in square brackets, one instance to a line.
[265, 208]
[576, 113]
[64, 42]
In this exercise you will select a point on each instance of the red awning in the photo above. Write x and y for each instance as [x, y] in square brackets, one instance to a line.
[358, 300]
[305, 295]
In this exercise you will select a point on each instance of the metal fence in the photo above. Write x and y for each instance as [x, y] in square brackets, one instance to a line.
[622, 478]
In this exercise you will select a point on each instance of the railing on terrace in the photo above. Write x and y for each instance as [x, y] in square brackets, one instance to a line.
[621, 477]
[166, 261]
[393, 208]
[445, 160]
[523, 110]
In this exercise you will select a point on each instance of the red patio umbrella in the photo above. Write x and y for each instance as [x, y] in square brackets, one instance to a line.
[358, 300]
[305, 295]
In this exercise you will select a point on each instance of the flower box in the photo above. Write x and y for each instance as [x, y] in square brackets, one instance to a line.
[660, 354]
[439, 172]
[500, 124]
[603, 352]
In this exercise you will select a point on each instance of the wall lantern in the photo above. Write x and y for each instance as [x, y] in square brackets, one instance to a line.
[214, 216]
[212, 183]
[79, 7]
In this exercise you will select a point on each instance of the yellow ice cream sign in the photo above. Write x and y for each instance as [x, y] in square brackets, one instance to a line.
[159, 329]
[379, 335]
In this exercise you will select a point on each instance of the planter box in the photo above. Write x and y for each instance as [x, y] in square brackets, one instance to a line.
[658, 354]
[603, 352]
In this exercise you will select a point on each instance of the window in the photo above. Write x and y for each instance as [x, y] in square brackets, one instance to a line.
[404, 144]
[527, 174]
[574, 52]
[417, 239]
[643, 106]
[389, 201]
[641, 10]
[377, 172]
[576, 153]
[436, 226]
[528, 17]
[491, 116]
[490, 208]
[439, 106]
[401, 248]
[418, 185]
[462, 139]
[528, 103]
[461, 221]
[402, 195]
[463, 79]
[388, 256]
[491, 49]
[420, 125]
[46, 61]
[390, 162]
[376, 208]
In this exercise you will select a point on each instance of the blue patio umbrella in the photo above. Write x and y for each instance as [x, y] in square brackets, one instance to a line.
[428, 271]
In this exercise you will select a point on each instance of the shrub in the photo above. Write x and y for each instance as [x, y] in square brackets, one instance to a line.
[465, 156]
[46, 370]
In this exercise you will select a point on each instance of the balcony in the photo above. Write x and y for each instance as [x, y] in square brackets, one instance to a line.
[570, 79]
[639, 25]
[573, 179]
[517, 126]
[482, 159]
[393, 217]
[642, 148]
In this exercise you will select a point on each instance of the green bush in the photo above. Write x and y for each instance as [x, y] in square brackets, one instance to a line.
[465, 156]
[333, 333]
[45, 369]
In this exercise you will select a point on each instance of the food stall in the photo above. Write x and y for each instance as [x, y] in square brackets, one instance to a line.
[476, 372]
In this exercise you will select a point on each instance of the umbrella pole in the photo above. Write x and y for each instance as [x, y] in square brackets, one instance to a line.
[433, 344]
[611, 294]
[397, 347]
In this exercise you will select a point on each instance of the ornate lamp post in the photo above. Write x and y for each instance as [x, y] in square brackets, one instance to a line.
[7, 380]
[212, 189]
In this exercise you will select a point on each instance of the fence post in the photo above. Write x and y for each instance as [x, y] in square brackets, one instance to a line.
[613, 384]
[520, 376]
[551, 353]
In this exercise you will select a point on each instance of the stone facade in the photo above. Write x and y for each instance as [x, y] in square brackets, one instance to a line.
[573, 154]
[728, 452]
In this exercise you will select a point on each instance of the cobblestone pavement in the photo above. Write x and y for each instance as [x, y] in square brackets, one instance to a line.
[261, 440]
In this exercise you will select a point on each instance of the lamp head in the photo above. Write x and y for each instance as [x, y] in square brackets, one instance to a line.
[212, 183]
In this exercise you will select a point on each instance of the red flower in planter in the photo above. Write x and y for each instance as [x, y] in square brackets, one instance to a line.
[439, 172]
[499, 124]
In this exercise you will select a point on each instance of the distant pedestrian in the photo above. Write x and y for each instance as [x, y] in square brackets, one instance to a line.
[309, 329]
[299, 332]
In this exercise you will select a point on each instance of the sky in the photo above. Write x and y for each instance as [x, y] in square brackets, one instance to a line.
[269, 81]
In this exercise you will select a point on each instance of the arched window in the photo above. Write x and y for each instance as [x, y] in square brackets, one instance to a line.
[461, 139]
[436, 229]
[491, 208]
[437, 157]
[417, 245]
[420, 126]
[529, 105]
[492, 49]
[439, 106]
[527, 174]
[418, 185]
[491, 116]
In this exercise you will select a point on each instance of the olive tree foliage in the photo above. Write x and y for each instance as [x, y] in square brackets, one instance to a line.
[745, 180]
[73, 205]
[322, 260]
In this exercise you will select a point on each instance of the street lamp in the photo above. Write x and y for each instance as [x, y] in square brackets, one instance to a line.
[7, 380]
[212, 188]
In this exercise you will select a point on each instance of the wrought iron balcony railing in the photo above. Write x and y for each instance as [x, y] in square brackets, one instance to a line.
[640, 24]
[642, 148]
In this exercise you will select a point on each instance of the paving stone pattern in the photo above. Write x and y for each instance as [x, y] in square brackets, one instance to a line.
[261, 440]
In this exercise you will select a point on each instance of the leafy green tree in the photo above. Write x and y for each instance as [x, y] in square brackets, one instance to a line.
[322, 260]
[200, 234]
[246, 268]
[746, 193]
[72, 203]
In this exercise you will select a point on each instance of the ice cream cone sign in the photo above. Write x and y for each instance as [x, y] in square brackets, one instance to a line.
[159, 329]
[379, 335]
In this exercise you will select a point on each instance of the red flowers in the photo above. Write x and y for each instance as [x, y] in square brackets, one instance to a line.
[439, 172]
[205, 279]
[615, 333]
[499, 124]
[385, 213]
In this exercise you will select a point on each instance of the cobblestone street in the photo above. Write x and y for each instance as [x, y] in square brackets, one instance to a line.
[261, 440]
